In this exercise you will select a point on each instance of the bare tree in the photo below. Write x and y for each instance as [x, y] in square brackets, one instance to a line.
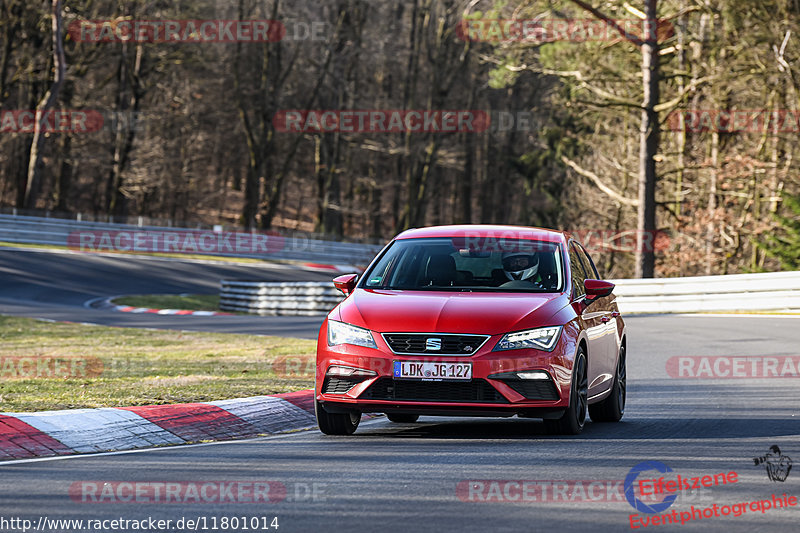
[49, 100]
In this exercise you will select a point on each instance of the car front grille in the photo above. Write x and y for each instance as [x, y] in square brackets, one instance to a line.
[477, 391]
[425, 343]
[534, 389]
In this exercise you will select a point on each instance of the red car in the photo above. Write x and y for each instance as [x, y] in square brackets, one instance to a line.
[474, 321]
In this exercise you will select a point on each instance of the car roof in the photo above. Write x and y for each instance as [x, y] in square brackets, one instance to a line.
[487, 230]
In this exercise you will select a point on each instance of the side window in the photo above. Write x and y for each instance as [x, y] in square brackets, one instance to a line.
[591, 270]
[577, 271]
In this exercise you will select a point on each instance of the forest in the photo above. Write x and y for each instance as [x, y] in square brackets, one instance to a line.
[661, 132]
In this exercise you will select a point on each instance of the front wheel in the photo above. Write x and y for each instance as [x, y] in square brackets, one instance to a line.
[574, 418]
[336, 423]
[612, 408]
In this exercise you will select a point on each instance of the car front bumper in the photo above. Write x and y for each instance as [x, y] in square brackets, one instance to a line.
[492, 391]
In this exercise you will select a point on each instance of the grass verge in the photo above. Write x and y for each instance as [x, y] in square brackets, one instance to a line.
[46, 366]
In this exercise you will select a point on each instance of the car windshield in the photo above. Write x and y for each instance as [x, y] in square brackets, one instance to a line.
[468, 264]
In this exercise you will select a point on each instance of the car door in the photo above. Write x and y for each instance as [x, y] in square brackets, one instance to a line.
[606, 310]
[597, 356]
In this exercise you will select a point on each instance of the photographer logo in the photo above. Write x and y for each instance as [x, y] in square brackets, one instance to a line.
[777, 465]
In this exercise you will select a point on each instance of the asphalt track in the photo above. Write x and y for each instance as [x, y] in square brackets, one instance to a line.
[391, 477]
[55, 286]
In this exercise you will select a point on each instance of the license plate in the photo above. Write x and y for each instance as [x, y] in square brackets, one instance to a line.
[427, 371]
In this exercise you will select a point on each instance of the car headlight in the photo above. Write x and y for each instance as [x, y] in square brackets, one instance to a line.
[539, 339]
[342, 333]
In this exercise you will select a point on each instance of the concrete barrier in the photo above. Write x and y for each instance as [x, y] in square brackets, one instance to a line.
[279, 298]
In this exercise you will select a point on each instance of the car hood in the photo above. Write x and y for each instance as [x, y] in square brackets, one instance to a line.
[448, 312]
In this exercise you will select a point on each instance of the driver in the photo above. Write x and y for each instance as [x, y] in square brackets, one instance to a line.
[519, 266]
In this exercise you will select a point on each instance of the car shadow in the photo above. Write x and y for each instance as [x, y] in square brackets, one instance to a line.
[631, 429]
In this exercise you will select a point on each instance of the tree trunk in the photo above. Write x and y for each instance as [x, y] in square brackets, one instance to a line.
[329, 208]
[681, 28]
[128, 103]
[487, 181]
[49, 100]
[407, 161]
[376, 197]
[64, 175]
[712, 202]
[10, 31]
[648, 147]
[463, 187]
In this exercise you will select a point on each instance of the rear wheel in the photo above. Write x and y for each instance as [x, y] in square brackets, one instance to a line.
[612, 408]
[401, 418]
[336, 423]
[574, 418]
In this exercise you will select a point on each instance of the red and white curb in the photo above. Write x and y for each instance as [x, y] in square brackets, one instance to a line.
[50, 433]
[337, 269]
[107, 304]
[173, 312]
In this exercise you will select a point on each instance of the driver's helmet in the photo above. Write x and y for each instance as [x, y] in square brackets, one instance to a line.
[520, 265]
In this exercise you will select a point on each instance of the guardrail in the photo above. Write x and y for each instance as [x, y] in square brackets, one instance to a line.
[774, 291]
[297, 247]
[271, 298]
[779, 291]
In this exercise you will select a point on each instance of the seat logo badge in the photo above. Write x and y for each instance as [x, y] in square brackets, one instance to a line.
[433, 345]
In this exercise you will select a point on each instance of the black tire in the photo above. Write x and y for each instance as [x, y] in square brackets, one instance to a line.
[574, 418]
[612, 408]
[399, 418]
[336, 423]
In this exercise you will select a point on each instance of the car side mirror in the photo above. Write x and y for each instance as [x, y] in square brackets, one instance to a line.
[596, 288]
[347, 283]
